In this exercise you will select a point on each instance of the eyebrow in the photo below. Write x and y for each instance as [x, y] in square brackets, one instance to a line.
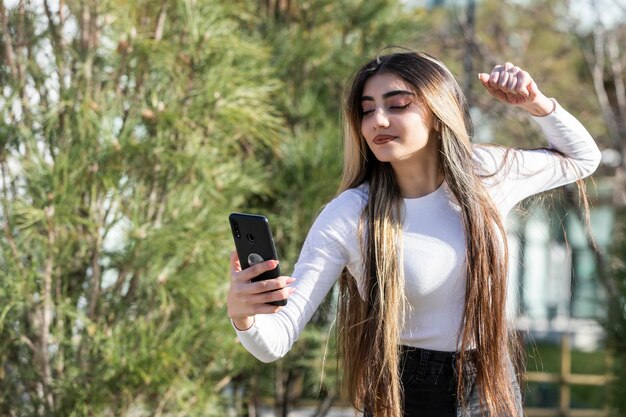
[390, 94]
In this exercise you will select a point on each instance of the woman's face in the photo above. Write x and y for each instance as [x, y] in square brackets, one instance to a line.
[396, 125]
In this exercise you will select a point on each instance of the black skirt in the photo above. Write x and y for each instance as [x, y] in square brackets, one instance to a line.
[429, 381]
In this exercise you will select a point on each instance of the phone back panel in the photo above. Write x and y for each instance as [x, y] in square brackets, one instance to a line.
[254, 242]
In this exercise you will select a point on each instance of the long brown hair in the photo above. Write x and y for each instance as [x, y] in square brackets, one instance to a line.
[370, 323]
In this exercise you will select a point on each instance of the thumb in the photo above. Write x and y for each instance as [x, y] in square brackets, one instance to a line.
[533, 90]
[484, 78]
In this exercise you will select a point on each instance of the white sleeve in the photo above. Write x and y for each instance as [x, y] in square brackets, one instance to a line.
[571, 155]
[330, 245]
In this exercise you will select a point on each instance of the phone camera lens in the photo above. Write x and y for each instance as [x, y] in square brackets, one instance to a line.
[250, 238]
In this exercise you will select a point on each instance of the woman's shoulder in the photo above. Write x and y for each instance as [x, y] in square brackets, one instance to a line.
[352, 196]
[345, 209]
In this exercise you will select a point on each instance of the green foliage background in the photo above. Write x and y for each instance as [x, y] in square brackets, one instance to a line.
[129, 131]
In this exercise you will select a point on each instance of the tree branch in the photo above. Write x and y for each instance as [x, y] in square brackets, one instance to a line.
[467, 27]
[132, 286]
[9, 53]
[58, 43]
[46, 312]
[94, 29]
[119, 282]
[21, 43]
[8, 234]
[478, 49]
[96, 275]
[59, 363]
[595, 62]
[84, 26]
[617, 70]
[21, 38]
[54, 30]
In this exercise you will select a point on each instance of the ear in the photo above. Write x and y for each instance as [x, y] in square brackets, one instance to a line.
[436, 125]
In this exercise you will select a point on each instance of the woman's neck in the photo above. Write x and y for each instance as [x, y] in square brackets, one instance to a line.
[417, 179]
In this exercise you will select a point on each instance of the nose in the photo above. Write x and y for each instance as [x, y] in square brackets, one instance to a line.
[380, 118]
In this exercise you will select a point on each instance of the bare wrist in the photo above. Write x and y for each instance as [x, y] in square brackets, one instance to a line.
[542, 107]
[243, 324]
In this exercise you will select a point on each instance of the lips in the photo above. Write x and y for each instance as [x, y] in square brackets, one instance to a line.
[382, 139]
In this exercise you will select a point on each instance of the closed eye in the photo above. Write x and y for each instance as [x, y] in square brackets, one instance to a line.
[405, 106]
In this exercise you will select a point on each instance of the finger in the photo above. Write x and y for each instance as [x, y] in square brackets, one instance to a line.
[511, 85]
[533, 90]
[513, 81]
[524, 83]
[494, 77]
[271, 284]
[252, 310]
[267, 309]
[484, 79]
[503, 80]
[256, 270]
[508, 66]
[235, 265]
[269, 297]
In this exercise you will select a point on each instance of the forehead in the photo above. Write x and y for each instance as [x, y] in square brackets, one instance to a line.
[379, 84]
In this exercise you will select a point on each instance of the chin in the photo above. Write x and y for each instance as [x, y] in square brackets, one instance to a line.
[385, 157]
[388, 158]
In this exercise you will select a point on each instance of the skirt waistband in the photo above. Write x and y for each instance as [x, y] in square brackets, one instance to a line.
[419, 360]
[411, 352]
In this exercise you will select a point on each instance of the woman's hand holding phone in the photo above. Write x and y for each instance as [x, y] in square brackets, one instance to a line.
[247, 298]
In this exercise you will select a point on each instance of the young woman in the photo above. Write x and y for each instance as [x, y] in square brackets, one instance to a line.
[417, 236]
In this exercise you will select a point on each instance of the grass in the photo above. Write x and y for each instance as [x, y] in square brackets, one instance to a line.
[545, 357]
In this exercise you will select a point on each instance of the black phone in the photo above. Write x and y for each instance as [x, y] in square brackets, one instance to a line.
[254, 244]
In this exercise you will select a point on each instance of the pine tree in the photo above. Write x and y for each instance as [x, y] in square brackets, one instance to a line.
[129, 130]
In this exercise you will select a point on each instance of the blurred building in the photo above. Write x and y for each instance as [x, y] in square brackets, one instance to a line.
[553, 282]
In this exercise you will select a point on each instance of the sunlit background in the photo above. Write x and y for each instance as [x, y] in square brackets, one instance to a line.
[129, 130]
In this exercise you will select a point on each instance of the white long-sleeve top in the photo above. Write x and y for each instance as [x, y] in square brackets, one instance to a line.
[433, 242]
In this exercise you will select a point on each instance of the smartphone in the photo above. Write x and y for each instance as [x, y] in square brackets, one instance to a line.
[254, 244]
